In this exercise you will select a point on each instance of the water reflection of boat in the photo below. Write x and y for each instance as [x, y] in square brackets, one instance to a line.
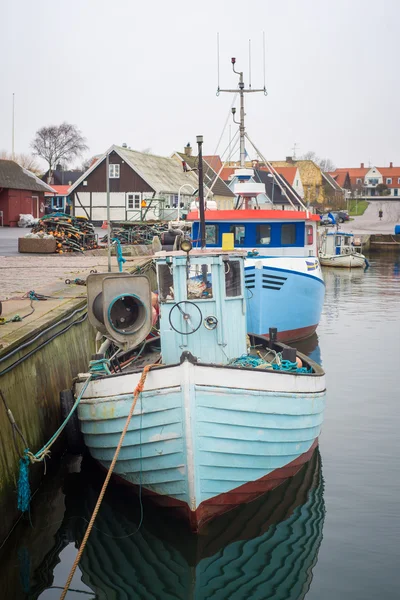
[264, 549]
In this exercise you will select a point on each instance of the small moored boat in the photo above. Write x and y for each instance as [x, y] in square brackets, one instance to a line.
[339, 249]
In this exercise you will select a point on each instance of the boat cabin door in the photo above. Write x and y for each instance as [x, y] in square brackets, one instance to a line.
[202, 306]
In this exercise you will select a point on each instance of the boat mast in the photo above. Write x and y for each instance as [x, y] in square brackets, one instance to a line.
[242, 92]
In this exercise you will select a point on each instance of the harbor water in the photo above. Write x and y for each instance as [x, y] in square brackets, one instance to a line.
[330, 532]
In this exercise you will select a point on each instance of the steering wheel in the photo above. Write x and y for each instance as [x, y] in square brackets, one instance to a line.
[210, 322]
[187, 317]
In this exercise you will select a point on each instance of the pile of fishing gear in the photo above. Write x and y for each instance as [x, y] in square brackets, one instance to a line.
[72, 234]
[136, 233]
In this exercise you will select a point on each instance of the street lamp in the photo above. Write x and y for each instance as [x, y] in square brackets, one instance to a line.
[179, 196]
[199, 140]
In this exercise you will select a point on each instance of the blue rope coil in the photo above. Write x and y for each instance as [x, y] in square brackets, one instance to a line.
[24, 488]
[254, 362]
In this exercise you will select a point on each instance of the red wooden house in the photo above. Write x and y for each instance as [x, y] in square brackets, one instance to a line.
[21, 192]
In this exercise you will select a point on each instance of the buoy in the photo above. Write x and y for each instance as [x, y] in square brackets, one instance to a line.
[105, 225]
[299, 362]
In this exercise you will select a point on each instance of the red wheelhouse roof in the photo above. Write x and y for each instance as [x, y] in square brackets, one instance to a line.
[254, 215]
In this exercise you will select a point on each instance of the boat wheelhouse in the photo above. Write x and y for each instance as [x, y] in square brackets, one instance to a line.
[283, 278]
[341, 249]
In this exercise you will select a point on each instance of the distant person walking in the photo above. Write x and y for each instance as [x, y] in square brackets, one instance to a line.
[380, 213]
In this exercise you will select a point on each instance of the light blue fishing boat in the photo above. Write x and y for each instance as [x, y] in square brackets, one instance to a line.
[223, 418]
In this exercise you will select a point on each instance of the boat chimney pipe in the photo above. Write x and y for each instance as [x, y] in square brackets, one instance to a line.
[199, 140]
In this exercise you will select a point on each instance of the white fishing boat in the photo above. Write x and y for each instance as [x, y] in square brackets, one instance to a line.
[340, 249]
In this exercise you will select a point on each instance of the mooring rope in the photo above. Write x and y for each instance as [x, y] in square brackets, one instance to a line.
[138, 390]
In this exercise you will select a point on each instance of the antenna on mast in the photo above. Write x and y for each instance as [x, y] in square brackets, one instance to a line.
[295, 146]
[218, 60]
[12, 136]
[264, 56]
[241, 90]
[249, 63]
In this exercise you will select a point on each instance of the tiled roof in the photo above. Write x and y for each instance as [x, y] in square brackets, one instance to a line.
[273, 189]
[289, 173]
[219, 188]
[354, 172]
[13, 176]
[332, 182]
[215, 162]
[61, 190]
[339, 177]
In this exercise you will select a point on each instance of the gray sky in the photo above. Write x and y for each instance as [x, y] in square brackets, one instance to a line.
[145, 73]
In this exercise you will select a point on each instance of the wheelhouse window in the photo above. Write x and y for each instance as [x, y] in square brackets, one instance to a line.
[199, 283]
[288, 234]
[233, 286]
[165, 283]
[212, 234]
[338, 240]
[310, 235]
[239, 233]
[263, 234]
[346, 241]
[113, 171]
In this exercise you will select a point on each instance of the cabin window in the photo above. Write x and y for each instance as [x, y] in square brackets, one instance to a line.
[263, 234]
[288, 234]
[199, 283]
[165, 283]
[310, 235]
[239, 232]
[338, 240]
[233, 285]
[113, 171]
[346, 241]
[133, 201]
[211, 234]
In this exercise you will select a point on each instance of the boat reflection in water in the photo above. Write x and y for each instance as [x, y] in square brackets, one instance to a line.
[264, 549]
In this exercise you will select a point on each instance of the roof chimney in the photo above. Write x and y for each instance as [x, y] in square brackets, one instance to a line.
[188, 149]
[362, 166]
[124, 145]
[391, 165]
[289, 159]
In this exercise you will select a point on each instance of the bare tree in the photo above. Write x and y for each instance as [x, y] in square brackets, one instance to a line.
[58, 142]
[88, 162]
[27, 161]
[325, 164]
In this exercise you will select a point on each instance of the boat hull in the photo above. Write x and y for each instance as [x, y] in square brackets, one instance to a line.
[346, 261]
[204, 439]
[284, 293]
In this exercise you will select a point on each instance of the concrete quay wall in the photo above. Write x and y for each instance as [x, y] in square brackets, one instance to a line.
[31, 390]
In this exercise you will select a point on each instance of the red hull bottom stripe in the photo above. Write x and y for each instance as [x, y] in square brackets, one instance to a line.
[209, 509]
[294, 335]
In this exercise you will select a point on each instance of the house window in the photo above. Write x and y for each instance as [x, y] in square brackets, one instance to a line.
[398, 180]
[288, 234]
[310, 235]
[359, 181]
[133, 201]
[239, 232]
[113, 171]
[388, 180]
[211, 234]
[263, 234]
